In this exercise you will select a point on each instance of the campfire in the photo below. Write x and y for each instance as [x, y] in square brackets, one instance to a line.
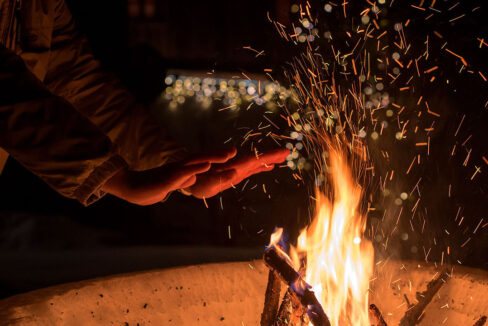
[334, 262]
[329, 271]
[301, 305]
[328, 274]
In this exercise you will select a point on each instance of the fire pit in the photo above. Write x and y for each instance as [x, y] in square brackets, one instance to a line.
[233, 294]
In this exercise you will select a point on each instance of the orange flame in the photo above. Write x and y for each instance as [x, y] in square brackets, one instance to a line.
[339, 262]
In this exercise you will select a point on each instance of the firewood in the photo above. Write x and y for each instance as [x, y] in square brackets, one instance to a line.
[480, 321]
[285, 312]
[377, 315]
[299, 287]
[271, 299]
[291, 312]
[413, 314]
[299, 315]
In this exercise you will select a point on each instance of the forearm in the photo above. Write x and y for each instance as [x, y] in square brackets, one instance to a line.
[49, 137]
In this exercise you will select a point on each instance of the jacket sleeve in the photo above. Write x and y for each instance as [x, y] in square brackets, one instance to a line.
[49, 137]
[75, 75]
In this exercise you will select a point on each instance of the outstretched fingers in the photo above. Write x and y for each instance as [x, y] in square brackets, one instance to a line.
[252, 162]
[263, 168]
[215, 156]
[210, 184]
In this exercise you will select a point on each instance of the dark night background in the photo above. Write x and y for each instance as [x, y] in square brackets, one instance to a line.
[46, 239]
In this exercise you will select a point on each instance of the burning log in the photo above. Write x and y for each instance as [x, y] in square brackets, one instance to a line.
[480, 321]
[285, 312]
[291, 311]
[377, 315]
[271, 299]
[298, 286]
[413, 314]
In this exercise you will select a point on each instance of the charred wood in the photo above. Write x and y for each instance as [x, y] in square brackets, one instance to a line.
[414, 313]
[298, 286]
[299, 315]
[291, 312]
[377, 315]
[480, 321]
[271, 299]
[285, 311]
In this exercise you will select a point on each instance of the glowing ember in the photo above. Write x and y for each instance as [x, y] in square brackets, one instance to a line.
[339, 262]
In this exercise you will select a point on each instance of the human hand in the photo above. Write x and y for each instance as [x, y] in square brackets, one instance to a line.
[193, 175]
[227, 174]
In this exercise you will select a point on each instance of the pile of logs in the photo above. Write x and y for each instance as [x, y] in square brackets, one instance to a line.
[300, 307]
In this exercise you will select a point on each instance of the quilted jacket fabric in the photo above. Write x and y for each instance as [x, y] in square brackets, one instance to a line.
[61, 115]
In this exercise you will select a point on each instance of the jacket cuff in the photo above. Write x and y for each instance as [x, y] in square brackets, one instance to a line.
[90, 191]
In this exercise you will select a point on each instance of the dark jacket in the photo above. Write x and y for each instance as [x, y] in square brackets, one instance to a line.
[61, 115]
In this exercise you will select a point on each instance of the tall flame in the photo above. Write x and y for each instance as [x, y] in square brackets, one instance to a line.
[339, 262]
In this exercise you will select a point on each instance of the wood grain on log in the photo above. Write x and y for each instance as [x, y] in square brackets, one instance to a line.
[271, 299]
